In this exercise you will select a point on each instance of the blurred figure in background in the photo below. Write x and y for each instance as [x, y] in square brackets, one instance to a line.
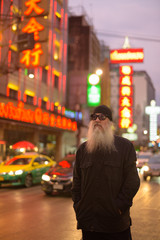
[105, 180]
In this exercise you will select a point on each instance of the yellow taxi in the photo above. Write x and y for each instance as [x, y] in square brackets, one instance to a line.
[26, 169]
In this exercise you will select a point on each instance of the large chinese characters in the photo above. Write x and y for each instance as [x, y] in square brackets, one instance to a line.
[125, 97]
[34, 14]
[128, 55]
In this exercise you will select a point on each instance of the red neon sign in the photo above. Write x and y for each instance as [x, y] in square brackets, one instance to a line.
[125, 101]
[32, 6]
[32, 57]
[125, 80]
[125, 98]
[125, 112]
[125, 122]
[39, 117]
[126, 70]
[34, 23]
[126, 91]
[33, 27]
[126, 55]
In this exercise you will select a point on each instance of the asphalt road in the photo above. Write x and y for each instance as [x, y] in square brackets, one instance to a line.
[27, 214]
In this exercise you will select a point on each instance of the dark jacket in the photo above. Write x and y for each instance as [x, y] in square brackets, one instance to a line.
[103, 183]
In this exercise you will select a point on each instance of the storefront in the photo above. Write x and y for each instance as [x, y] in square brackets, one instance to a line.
[52, 133]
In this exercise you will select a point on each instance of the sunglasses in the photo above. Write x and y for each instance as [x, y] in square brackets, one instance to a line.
[101, 117]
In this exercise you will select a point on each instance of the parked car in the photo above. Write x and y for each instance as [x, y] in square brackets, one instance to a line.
[24, 169]
[152, 167]
[59, 178]
[142, 158]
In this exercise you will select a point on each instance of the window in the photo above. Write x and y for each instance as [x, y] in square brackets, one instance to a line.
[44, 104]
[45, 161]
[58, 23]
[30, 71]
[44, 75]
[56, 80]
[29, 99]
[55, 108]
[37, 160]
[56, 52]
[13, 93]
[60, 2]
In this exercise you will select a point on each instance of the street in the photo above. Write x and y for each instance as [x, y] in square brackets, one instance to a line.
[27, 214]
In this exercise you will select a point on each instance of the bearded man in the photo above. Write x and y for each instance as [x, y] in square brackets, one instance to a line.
[105, 180]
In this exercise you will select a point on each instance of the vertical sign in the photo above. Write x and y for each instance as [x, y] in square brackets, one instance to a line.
[93, 90]
[35, 14]
[125, 97]
[153, 112]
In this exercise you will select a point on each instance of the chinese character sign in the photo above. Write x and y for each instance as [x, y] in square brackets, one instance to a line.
[125, 97]
[33, 12]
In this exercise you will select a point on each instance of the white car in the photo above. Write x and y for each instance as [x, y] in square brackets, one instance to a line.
[152, 168]
[142, 158]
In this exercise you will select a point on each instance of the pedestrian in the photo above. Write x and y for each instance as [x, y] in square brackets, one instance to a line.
[105, 180]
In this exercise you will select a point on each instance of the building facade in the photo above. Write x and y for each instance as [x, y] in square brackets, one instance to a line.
[33, 77]
[83, 59]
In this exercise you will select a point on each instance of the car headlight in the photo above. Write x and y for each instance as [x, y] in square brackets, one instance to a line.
[145, 168]
[46, 177]
[11, 173]
[18, 172]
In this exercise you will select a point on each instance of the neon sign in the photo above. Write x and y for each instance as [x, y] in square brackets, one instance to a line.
[32, 6]
[125, 80]
[126, 55]
[125, 97]
[153, 112]
[126, 101]
[125, 122]
[93, 90]
[32, 57]
[125, 90]
[34, 22]
[37, 116]
[126, 70]
[125, 112]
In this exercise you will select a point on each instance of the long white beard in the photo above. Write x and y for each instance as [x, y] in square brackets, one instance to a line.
[100, 137]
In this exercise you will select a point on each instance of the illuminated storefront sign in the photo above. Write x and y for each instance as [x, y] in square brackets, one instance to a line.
[129, 55]
[126, 101]
[130, 136]
[37, 116]
[125, 80]
[33, 12]
[126, 70]
[126, 55]
[126, 90]
[153, 112]
[93, 90]
[125, 97]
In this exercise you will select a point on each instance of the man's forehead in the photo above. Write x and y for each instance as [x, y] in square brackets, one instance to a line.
[99, 113]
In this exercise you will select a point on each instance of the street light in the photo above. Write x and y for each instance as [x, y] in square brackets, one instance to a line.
[145, 132]
[99, 72]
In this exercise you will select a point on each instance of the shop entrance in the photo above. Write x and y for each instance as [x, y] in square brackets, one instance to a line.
[47, 145]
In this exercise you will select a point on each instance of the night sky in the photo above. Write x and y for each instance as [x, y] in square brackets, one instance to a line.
[138, 19]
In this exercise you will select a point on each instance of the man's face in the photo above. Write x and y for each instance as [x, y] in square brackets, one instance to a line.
[100, 133]
[99, 121]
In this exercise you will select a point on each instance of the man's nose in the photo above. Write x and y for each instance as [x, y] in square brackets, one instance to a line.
[97, 119]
